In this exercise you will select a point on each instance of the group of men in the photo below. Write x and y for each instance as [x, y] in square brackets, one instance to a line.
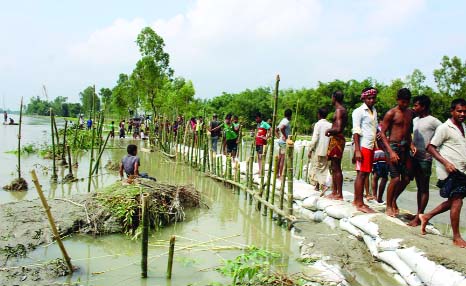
[410, 139]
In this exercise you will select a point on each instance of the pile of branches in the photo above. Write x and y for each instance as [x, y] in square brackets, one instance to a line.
[118, 208]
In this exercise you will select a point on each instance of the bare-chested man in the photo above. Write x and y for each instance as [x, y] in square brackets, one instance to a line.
[364, 136]
[398, 121]
[337, 144]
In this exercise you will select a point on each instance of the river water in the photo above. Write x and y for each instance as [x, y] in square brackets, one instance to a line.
[209, 234]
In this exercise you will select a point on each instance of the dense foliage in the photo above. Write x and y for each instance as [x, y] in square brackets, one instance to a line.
[152, 88]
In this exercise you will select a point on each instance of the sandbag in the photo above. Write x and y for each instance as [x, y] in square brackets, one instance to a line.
[346, 225]
[363, 223]
[323, 203]
[330, 221]
[340, 211]
[307, 214]
[371, 245]
[310, 203]
[428, 271]
[388, 245]
[392, 259]
[319, 216]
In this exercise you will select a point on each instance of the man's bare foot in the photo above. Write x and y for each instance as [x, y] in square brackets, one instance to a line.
[338, 197]
[396, 210]
[415, 221]
[365, 209]
[424, 220]
[370, 198]
[331, 196]
[459, 242]
[390, 212]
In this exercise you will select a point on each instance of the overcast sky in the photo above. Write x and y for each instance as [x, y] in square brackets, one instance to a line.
[223, 45]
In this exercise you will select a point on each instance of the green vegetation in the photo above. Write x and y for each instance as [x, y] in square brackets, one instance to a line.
[255, 267]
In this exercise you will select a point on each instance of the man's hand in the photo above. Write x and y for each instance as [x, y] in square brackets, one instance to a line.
[357, 156]
[328, 133]
[394, 158]
[449, 167]
[413, 149]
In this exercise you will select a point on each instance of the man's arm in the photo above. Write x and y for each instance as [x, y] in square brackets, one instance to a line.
[448, 165]
[121, 170]
[136, 168]
[386, 124]
[337, 126]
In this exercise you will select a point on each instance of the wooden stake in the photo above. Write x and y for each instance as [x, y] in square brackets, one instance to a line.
[56, 235]
[274, 182]
[19, 137]
[171, 252]
[54, 169]
[70, 165]
[290, 151]
[145, 234]
[91, 160]
[63, 154]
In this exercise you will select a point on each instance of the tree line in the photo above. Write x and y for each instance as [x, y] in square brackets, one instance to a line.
[152, 88]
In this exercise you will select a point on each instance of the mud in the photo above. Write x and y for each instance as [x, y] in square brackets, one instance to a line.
[437, 248]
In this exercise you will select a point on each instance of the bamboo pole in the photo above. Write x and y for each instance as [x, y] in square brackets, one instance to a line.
[19, 137]
[70, 165]
[238, 174]
[282, 190]
[274, 183]
[56, 235]
[274, 122]
[290, 151]
[145, 234]
[56, 131]
[54, 169]
[63, 154]
[91, 160]
[171, 252]
[301, 164]
[96, 166]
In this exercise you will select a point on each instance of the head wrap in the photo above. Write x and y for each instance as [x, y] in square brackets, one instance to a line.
[371, 91]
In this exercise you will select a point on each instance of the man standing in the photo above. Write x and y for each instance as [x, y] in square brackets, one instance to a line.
[448, 147]
[283, 131]
[89, 124]
[318, 151]
[230, 135]
[5, 116]
[337, 144]
[262, 135]
[398, 122]
[364, 136]
[424, 126]
[214, 134]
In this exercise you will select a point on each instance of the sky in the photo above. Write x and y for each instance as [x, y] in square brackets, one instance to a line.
[223, 46]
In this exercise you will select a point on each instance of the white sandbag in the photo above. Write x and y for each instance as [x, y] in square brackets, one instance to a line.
[300, 194]
[388, 245]
[348, 196]
[323, 203]
[432, 230]
[392, 259]
[362, 222]
[346, 225]
[324, 273]
[340, 211]
[330, 221]
[307, 214]
[428, 271]
[310, 203]
[319, 216]
[371, 245]
[297, 210]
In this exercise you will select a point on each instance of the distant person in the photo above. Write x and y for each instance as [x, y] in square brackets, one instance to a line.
[230, 135]
[448, 147]
[364, 136]
[262, 134]
[214, 134]
[122, 129]
[112, 130]
[5, 116]
[398, 123]
[130, 126]
[89, 124]
[424, 126]
[318, 151]
[336, 145]
[12, 121]
[136, 134]
[282, 131]
[130, 164]
[379, 169]
[81, 121]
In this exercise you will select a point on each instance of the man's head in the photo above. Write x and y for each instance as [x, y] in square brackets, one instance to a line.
[403, 98]
[201, 119]
[421, 104]
[337, 96]
[258, 117]
[288, 113]
[214, 117]
[132, 149]
[322, 113]
[228, 118]
[458, 110]
[235, 118]
[369, 96]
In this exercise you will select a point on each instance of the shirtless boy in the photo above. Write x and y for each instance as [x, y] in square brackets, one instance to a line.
[398, 123]
[337, 145]
[364, 136]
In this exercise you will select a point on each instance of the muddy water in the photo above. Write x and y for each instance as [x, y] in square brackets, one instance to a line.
[230, 222]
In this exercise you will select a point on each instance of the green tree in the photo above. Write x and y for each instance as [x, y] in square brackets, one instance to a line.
[89, 99]
[152, 69]
[451, 77]
[106, 96]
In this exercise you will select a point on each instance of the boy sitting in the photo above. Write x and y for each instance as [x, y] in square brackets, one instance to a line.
[131, 163]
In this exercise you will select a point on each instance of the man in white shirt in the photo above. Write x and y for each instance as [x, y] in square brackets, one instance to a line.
[318, 151]
[282, 132]
[364, 136]
[448, 147]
